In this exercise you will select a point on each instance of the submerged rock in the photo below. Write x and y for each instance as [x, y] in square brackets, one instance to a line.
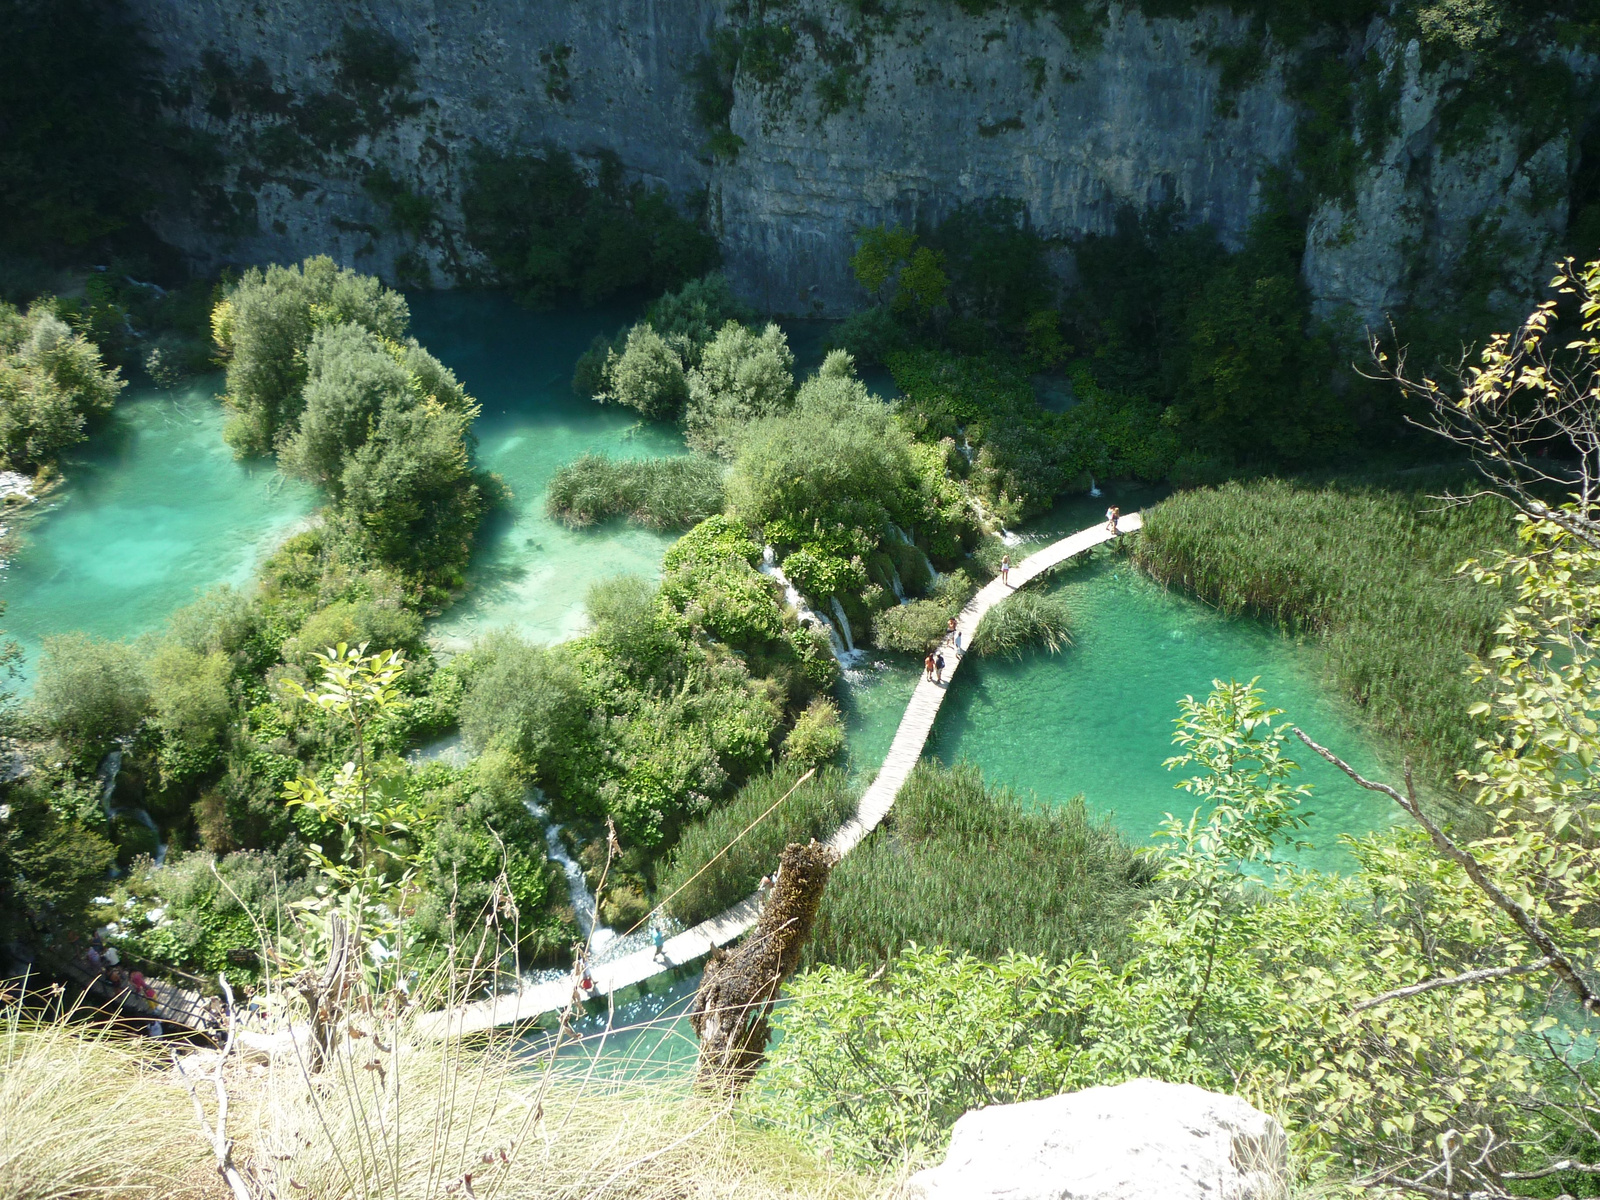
[1141, 1140]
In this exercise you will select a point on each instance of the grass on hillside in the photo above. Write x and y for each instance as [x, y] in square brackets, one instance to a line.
[87, 1113]
[815, 810]
[961, 865]
[1371, 572]
[663, 493]
[393, 1116]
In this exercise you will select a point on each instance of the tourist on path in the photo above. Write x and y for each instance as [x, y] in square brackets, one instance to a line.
[659, 940]
[1112, 515]
[1005, 569]
[955, 634]
[927, 667]
[938, 668]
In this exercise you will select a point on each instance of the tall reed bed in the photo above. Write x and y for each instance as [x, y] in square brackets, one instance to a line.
[973, 868]
[815, 810]
[664, 493]
[1370, 572]
[1025, 621]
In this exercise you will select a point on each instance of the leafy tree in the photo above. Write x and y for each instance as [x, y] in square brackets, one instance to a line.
[264, 327]
[880, 254]
[88, 691]
[529, 702]
[52, 384]
[192, 707]
[818, 735]
[351, 380]
[742, 375]
[51, 866]
[646, 376]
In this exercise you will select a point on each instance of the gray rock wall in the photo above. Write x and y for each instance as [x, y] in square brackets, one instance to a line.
[950, 109]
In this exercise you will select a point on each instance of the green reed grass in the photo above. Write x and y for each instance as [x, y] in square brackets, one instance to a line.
[1370, 572]
[973, 868]
[816, 809]
[1025, 621]
[664, 493]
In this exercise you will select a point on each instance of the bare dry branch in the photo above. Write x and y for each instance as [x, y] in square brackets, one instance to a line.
[1417, 989]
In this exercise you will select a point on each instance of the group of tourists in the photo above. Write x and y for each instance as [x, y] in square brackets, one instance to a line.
[106, 962]
[933, 665]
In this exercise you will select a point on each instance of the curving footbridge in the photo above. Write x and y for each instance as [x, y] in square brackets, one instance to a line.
[532, 1001]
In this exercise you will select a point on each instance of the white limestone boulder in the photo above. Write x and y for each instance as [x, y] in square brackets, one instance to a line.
[1140, 1140]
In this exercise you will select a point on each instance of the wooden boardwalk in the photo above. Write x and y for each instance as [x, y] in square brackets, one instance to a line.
[531, 1002]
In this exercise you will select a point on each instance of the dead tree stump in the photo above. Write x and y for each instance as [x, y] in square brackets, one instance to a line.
[732, 1010]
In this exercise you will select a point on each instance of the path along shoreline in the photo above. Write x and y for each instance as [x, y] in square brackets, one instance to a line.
[530, 1002]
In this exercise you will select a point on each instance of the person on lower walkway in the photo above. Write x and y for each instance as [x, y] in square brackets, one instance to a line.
[1113, 514]
[1005, 569]
[927, 667]
[659, 941]
[938, 668]
[954, 634]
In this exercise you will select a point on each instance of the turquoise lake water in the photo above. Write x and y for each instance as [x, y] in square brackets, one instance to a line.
[1098, 717]
[154, 512]
[532, 572]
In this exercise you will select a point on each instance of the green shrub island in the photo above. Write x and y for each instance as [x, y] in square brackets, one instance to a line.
[53, 384]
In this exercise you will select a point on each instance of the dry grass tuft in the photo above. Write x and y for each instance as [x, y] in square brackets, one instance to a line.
[85, 1114]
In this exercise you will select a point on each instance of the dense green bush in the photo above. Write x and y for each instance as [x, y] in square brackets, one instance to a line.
[51, 863]
[263, 329]
[486, 835]
[741, 376]
[88, 691]
[320, 369]
[659, 492]
[529, 702]
[831, 474]
[684, 320]
[1023, 622]
[693, 891]
[553, 232]
[1370, 572]
[919, 626]
[646, 375]
[973, 868]
[52, 384]
[818, 735]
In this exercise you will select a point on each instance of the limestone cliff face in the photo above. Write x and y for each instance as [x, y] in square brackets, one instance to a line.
[942, 109]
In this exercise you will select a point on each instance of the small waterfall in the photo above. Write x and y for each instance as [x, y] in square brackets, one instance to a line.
[900, 535]
[808, 615]
[110, 768]
[1094, 489]
[584, 905]
[844, 625]
[894, 581]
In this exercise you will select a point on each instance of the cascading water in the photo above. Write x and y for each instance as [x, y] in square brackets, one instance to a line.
[1094, 488]
[845, 655]
[106, 776]
[584, 905]
[894, 582]
[844, 625]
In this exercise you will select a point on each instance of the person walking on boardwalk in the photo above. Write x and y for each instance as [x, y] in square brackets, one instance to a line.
[658, 939]
[954, 634]
[927, 667]
[1113, 514]
[938, 668]
[1005, 569]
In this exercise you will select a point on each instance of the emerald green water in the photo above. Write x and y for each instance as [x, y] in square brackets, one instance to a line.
[531, 572]
[154, 512]
[1098, 718]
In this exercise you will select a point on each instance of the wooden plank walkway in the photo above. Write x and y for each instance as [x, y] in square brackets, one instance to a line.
[533, 1001]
